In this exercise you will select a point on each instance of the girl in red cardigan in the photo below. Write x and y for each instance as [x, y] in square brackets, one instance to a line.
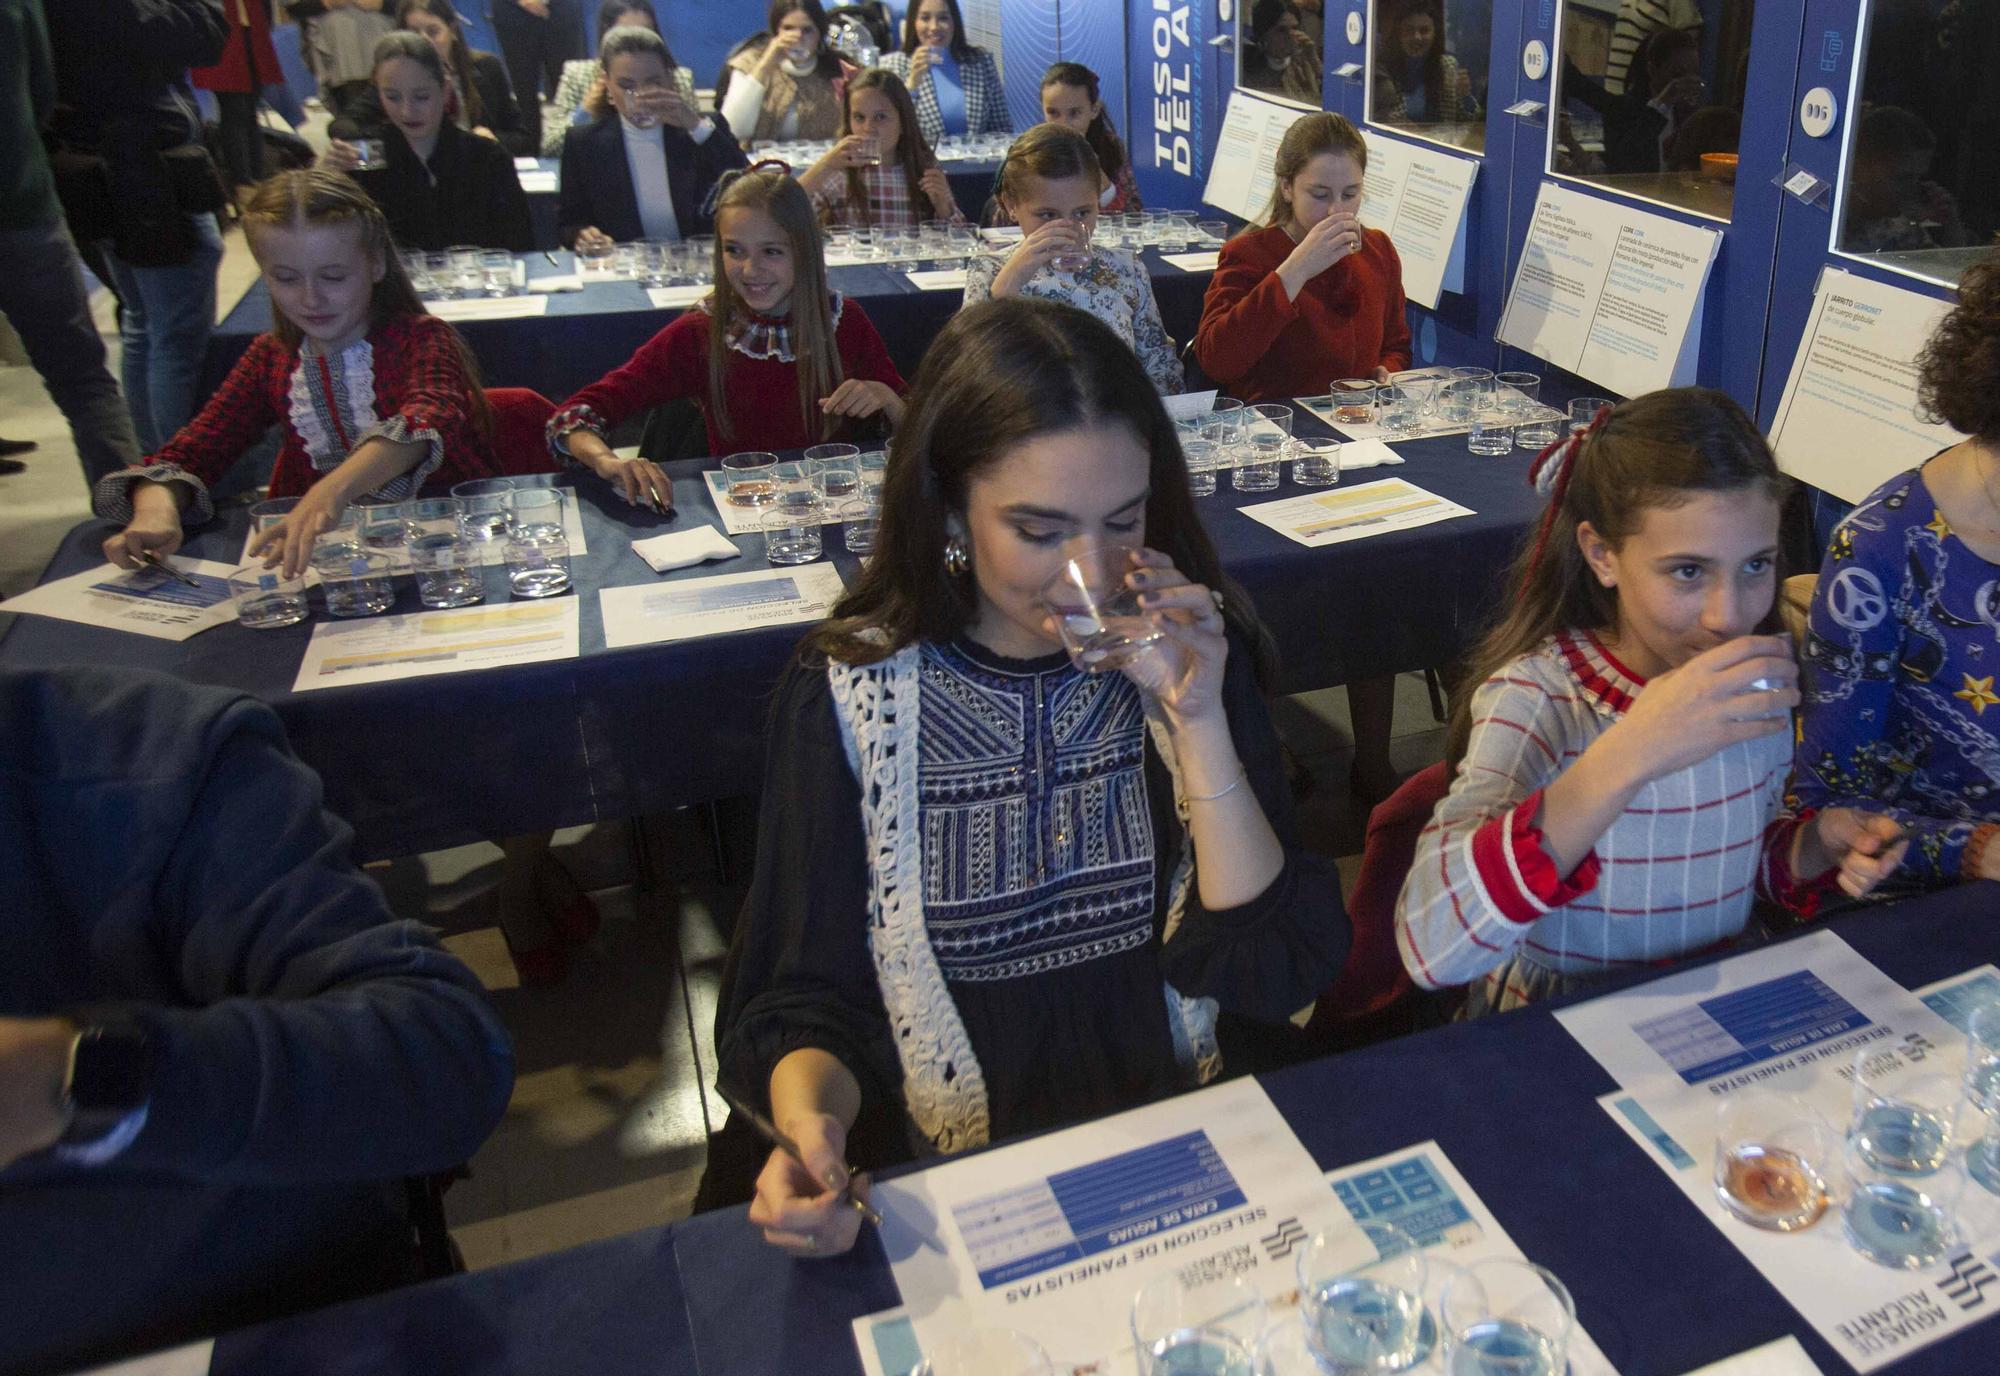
[375, 394]
[1313, 295]
[775, 360]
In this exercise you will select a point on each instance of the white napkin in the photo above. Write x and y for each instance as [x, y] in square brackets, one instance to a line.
[1366, 454]
[685, 547]
[557, 282]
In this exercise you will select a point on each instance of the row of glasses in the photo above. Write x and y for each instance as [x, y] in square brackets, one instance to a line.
[459, 273]
[529, 517]
[652, 262]
[1253, 442]
[830, 482]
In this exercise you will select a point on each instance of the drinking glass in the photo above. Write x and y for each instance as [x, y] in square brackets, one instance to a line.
[437, 272]
[598, 259]
[1361, 1295]
[1459, 399]
[266, 599]
[1583, 410]
[496, 273]
[266, 514]
[792, 532]
[416, 267]
[794, 479]
[1540, 427]
[654, 256]
[836, 471]
[1982, 1088]
[1203, 458]
[445, 560]
[863, 241]
[537, 543]
[1896, 1219]
[1205, 1328]
[339, 540]
[1096, 609]
[1903, 1113]
[1077, 259]
[485, 507]
[1776, 1160]
[625, 260]
[1268, 441]
[1490, 431]
[1469, 375]
[701, 253]
[750, 479]
[354, 581]
[1215, 231]
[862, 520]
[468, 276]
[1353, 401]
[874, 467]
[383, 524]
[1316, 463]
[1503, 1317]
[1518, 393]
[868, 150]
[1399, 409]
[985, 1352]
[1422, 385]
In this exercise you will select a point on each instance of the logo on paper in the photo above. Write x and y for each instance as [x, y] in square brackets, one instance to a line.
[1281, 1244]
[1856, 600]
[1965, 1284]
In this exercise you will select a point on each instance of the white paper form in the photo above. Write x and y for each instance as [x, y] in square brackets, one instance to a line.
[1954, 999]
[1194, 262]
[1781, 1358]
[938, 279]
[677, 298]
[687, 608]
[1788, 1018]
[1242, 175]
[143, 601]
[538, 182]
[1344, 513]
[490, 308]
[1053, 1235]
[1418, 197]
[742, 520]
[382, 649]
[191, 1360]
[1610, 292]
[1848, 420]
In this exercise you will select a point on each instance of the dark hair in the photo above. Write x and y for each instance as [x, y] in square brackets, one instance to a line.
[404, 44]
[1653, 53]
[1047, 150]
[827, 61]
[1002, 373]
[1886, 130]
[913, 155]
[961, 46]
[625, 40]
[1389, 43]
[1652, 451]
[461, 55]
[1104, 140]
[1307, 138]
[612, 11]
[1958, 371]
[312, 196]
[1266, 15]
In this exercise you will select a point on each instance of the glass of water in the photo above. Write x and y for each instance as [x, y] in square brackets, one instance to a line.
[447, 564]
[538, 543]
[1776, 1160]
[1422, 385]
[874, 469]
[1583, 410]
[985, 1352]
[1982, 1090]
[654, 258]
[1204, 1328]
[862, 522]
[383, 524]
[266, 514]
[485, 507]
[1401, 413]
[1490, 431]
[1503, 1317]
[467, 273]
[1203, 459]
[1904, 1113]
[266, 599]
[836, 471]
[1268, 442]
[1215, 231]
[792, 531]
[1361, 1295]
[1096, 609]
[1900, 1220]
[1316, 463]
[416, 267]
[496, 273]
[356, 582]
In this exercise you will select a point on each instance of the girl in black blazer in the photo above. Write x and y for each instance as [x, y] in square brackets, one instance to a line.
[477, 95]
[602, 201]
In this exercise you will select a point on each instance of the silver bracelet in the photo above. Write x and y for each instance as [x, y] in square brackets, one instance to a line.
[1241, 774]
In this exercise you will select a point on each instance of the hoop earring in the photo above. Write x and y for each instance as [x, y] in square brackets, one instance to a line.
[957, 558]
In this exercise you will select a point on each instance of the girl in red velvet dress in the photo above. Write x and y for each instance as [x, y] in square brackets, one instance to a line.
[775, 360]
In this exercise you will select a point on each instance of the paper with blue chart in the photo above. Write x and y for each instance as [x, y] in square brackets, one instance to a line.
[1789, 1018]
[145, 602]
[685, 608]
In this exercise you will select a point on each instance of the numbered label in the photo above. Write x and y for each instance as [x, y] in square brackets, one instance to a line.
[1354, 26]
[1535, 60]
[1817, 112]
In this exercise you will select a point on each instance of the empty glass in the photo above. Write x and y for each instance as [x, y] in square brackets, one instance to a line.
[1203, 459]
[1096, 609]
[1904, 1113]
[1268, 441]
[1982, 1088]
[383, 525]
[1503, 1317]
[496, 272]
[985, 1352]
[266, 599]
[354, 581]
[1315, 463]
[750, 479]
[1361, 1296]
[485, 507]
[792, 532]
[862, 522]
[1207, 1328]
[1776, 1160]
[538, 543]
[836, 471]
[1583, 410]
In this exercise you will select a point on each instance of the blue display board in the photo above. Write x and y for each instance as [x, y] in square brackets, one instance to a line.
[1177, 84]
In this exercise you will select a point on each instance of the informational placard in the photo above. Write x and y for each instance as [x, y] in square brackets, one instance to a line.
[691, 607]
[936, 279]
[1194, 262]
[1241, 176]
[540, 182]
[145, 602]
[1053, 1235]
[1417, 195]
[1790, 1018]
[1340, 514]
[676, 298]
[1848, 421]
[1610, 292]
[490, 307]
[382, 649]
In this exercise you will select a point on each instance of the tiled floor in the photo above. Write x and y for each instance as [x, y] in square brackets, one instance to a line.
[607, 1126]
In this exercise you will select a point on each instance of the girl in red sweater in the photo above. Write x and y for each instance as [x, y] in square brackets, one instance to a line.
[775, 360]
[1313, 295]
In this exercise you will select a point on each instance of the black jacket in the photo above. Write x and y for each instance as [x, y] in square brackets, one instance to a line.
[597, 185]
[467, 194]
[498, 110]
[126, 61]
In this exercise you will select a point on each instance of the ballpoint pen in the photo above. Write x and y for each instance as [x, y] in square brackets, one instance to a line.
[152, 560]
[770, 1132]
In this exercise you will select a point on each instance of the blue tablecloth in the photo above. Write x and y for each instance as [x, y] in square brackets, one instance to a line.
[616, 733]
[1511, 1099]
[585, 334]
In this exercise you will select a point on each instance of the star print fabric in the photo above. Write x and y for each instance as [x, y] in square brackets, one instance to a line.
[1901, 660]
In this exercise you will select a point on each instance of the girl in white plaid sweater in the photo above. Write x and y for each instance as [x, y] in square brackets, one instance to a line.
[1621, 765]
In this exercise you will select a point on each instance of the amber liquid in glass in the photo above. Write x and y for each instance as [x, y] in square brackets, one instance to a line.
[1769, 1187]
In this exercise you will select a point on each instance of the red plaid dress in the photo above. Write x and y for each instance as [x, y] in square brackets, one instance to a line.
[405, 381]
[889, 204]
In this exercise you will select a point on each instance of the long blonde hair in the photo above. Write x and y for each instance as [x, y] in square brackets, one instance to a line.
[769, 188]
[1310, 136]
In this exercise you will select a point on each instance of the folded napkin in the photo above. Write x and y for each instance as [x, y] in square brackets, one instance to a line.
[685, 547]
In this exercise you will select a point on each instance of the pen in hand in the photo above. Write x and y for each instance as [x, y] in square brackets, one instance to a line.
[769, 1131]
[152, 560]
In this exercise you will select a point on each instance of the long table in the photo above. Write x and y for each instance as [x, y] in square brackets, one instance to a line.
[616, 733]
[1509, 1098]
[585, 334]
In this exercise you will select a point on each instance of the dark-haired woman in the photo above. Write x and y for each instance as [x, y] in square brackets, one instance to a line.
[476, 97]
[995, 893]
[580, 97]
[1904, 647]
[785, 82]
[954, 85]
[1070, 98]
[443, 186]
[1422, 83]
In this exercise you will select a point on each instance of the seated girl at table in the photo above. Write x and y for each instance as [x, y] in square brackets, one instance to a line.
[896, 183]
[477, 95]
[647, 168]
[954, 84]
[784, 83]
[775, 359]
[443, 185]
[996, 893]
[1904, 639]
[374, 394]
[1049, 185]
[1621, 764]
[1070, 98]
[580, 94]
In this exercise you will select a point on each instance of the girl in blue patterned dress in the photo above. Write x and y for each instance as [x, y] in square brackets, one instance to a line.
[1904, 648]
[995, 893]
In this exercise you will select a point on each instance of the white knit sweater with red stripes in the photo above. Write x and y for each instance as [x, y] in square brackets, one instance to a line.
[1675, 873]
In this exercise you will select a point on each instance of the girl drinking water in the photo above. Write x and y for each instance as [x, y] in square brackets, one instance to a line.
[1070, 98]
[881, 173]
